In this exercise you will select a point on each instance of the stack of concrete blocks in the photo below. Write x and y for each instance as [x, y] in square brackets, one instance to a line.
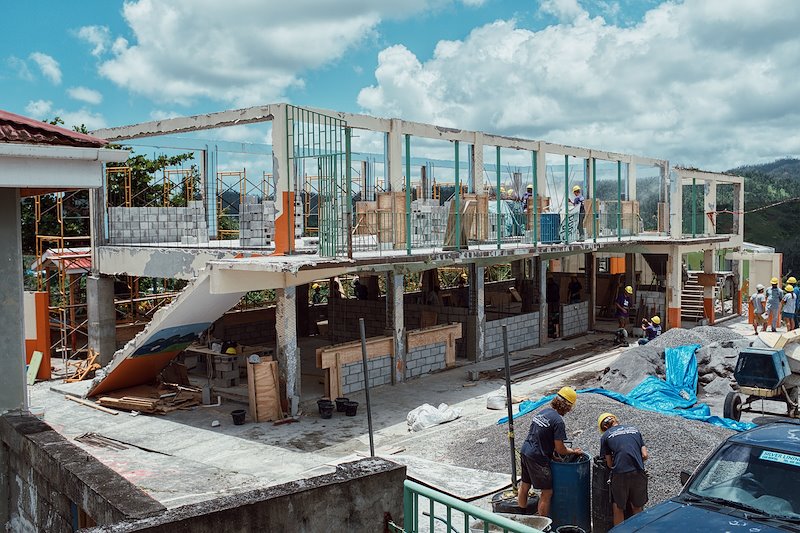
[256, 222]
[144, 225]
[380, 373]
[574, 319]
[425, 359]
[226, 371]
[522, 331]
[428, 222]
[652, 302]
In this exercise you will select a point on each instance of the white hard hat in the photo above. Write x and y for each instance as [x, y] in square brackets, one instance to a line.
[759, 287]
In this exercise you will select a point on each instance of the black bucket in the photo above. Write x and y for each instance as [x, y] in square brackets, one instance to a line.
[350, 408]
[570, 529]
[340, 407]
[325, 408]
[238, 416]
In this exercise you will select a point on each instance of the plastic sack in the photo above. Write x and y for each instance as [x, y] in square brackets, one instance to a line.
[426, 416]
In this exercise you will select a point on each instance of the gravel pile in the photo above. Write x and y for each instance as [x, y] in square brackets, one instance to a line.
[716, 360]
[674, 443]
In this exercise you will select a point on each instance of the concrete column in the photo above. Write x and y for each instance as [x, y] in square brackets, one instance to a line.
[101, 315]
[286, 340]
[476, 324]
[542, 302]
[394, 320]
[12, 333]
[738, 205]
[737, 279]
[541, 173]
[674, 287]
[675, 206]
[632, 180]
[710, 203]
[394, 152]
[591, 279]
[477, 177]
[709, 260]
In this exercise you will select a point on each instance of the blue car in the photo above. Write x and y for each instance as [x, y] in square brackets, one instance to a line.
[751, 483]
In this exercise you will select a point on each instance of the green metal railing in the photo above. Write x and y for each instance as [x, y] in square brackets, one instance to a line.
[458, 516]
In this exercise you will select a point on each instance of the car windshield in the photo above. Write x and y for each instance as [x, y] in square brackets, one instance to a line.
[752, 478]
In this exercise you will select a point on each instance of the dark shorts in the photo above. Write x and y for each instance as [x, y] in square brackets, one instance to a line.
[788, 316]
[535, 474]
[630, 487]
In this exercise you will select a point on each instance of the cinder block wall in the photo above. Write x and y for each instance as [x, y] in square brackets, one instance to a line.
[652, 300]
[130, 225]
[522, 331]
[574, 319]
[343, 315]
[43, 476]
[424, 359]
[380, 373]
[250, 327]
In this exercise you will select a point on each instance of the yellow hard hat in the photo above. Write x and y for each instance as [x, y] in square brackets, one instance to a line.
[629, 289]
[231, 351]
[602, 418]
[315, 286]
[656, 320]
[788, 288]
[463, 275]
[774, 281]
[576, 188]
[792, 280]
[569, 394]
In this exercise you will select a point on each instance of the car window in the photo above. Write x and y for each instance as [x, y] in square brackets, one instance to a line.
[764, 479]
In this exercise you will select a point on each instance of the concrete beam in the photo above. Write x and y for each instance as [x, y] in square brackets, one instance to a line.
[101, 316]
[228, 280]
[13, 392]
[287, 350]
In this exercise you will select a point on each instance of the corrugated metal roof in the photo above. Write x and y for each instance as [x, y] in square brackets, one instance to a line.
[73, 260]
[18, 129]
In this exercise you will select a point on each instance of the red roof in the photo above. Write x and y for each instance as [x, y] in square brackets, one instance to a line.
[19, 129]
[73, 260]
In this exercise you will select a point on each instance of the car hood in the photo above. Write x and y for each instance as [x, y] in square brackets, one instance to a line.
[672, 516]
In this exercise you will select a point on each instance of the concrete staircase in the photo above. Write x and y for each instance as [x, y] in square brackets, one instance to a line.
[692, 301]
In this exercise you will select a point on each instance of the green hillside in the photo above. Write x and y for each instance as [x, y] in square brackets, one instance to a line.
[775, 226]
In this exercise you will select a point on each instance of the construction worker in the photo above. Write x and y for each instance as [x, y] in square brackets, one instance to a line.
[625, 453]
[759, 302]
[526, 198]
[774, 299]
[316, 295]
[789, 304]
[652, 329]
[623, 305]
[545, 437]
[793, 282]
[578, 200]
[462, 280]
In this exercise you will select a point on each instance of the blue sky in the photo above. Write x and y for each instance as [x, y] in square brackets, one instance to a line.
[707, 83]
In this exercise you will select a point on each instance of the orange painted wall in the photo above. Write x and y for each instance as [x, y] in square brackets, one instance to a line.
[616, 265]
[42, 341]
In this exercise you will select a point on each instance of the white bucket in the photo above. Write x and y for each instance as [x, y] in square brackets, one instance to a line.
[38, 412]
[537, 522]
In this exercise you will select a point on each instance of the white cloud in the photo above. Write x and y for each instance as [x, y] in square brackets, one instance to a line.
[706, 83]
[48, 66]
[44, 110]
[98, 36]
[241, 52]
[21, 68]
[84, 94]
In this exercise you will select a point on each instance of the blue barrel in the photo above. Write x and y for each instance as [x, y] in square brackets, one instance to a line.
[550, 228]
[571, 493]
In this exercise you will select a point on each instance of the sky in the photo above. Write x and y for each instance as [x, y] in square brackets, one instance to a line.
[711, 84]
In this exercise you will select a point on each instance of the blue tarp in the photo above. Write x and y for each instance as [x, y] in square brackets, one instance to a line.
[677, 396]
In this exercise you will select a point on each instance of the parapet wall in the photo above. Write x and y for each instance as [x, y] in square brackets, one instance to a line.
[133, 225]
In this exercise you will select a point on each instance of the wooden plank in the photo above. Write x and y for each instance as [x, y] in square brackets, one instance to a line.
[93, 405]
[350, 352]
[434, 335]
[33, 367]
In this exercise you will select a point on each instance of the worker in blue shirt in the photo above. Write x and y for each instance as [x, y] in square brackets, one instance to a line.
[652, 329]
[625, 453]
[578, 200]
[793, 282]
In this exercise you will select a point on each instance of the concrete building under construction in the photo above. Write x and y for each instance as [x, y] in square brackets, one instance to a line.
[436, 237]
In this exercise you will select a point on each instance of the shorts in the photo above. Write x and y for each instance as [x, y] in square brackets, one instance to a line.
[788, 316]
[629, 487]
[537, 475]
[759, 319]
